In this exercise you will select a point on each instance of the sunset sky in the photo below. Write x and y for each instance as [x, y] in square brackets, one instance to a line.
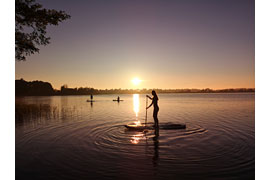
[165, 44]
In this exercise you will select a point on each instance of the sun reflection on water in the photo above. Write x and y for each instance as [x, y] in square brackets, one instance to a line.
[135, 139]
[136, 104]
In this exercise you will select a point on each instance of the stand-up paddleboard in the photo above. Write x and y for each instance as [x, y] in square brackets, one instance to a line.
[117, 100]
[89, 100]
[168, 126]
[136, 127]
[165, 126]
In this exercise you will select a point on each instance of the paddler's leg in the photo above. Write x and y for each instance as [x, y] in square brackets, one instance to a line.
[155, 113]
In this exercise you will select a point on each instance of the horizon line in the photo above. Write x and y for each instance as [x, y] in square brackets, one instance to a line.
[192, 88]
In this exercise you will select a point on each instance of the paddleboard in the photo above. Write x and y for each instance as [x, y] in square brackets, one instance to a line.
[172, 126]
[136, 127]
[117, 100]
[165, 126]
[90, 101]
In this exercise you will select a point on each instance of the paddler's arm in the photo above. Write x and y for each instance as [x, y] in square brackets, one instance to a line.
[150, 105]
[149, 97]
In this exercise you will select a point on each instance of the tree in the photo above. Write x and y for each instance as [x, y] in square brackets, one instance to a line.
[34, 88]
[31, 22]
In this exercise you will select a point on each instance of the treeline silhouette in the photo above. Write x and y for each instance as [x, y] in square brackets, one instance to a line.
[40, 88]
[34, 88]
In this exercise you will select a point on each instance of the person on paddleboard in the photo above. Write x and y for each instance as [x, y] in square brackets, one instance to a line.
[156, 108]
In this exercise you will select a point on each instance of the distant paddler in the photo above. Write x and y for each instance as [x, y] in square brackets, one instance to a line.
[118, 99]
[91, 99]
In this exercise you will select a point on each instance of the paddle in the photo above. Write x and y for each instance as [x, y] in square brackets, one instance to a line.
[146, 111]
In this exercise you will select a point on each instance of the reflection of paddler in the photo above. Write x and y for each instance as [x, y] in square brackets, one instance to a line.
[156, 147]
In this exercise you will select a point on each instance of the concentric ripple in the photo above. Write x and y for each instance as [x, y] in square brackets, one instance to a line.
[91, 141]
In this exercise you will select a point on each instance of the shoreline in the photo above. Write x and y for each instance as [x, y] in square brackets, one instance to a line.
[248, 92]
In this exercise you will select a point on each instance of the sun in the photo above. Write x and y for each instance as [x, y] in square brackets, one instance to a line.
[136, 81]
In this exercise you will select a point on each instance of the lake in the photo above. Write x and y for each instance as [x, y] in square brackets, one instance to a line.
[65, 137]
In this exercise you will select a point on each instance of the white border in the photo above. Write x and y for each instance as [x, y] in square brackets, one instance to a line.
[262, 69]
[262, 83]
[7, 64]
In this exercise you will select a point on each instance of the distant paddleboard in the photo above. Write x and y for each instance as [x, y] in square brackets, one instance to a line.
[117, 100]
[89, 100]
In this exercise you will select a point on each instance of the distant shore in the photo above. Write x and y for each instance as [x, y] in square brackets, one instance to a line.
[40, 88]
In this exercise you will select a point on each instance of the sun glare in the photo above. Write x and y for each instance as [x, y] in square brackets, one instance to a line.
[136, 81]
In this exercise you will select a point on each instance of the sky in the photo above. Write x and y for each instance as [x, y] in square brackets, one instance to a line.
[165, 43]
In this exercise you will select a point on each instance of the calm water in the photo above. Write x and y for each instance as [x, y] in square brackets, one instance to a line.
[65, 137]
